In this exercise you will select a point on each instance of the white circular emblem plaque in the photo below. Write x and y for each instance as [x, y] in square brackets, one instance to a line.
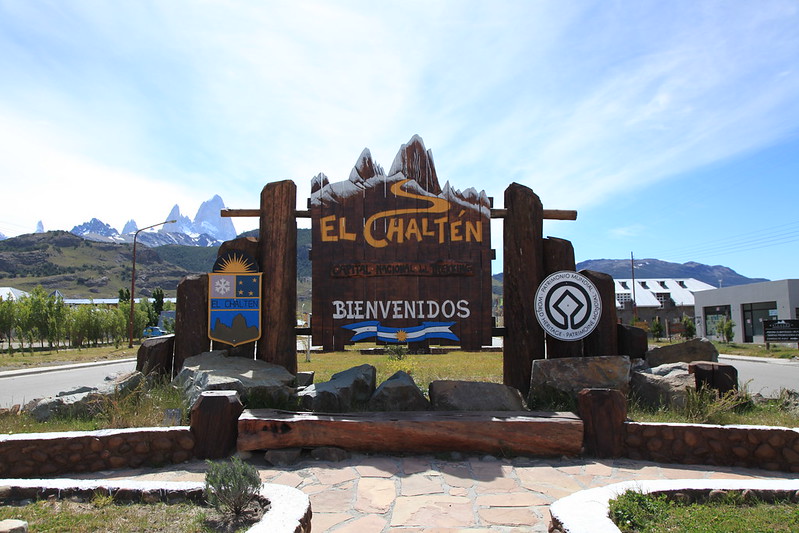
[567, 305]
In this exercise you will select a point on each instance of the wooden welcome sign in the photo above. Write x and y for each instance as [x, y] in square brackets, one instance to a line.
[398, 259]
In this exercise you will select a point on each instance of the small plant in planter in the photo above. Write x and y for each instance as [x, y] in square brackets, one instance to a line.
[230, 486]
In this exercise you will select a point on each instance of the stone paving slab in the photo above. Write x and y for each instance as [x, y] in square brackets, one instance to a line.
[437, 494]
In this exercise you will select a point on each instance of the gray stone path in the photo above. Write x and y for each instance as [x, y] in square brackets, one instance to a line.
[423, 493]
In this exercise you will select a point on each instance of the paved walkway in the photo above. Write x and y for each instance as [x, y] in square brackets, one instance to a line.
[423, 493]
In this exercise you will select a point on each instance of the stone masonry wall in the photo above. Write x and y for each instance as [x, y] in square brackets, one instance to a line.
[742, 446]
[25, 455]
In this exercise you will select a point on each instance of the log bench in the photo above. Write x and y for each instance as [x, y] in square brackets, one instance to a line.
[494, 432]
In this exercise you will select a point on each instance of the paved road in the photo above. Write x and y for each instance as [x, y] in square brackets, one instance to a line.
[16, 388]
[766, 376]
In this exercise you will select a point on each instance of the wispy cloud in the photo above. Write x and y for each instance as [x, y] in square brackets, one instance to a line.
[576, 100]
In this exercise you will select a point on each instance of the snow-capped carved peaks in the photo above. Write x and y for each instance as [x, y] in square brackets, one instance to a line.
[365, 168]
[416, 163]
[318, 181]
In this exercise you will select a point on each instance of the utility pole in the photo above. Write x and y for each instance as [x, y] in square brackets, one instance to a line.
[632, 269]
[133, 280]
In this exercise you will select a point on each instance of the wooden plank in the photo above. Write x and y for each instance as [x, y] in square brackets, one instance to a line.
[278, 259]
[523, 273]
[604, 340]
[549, 214]
[514, 432]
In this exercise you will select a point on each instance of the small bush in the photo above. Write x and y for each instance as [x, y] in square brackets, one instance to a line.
[634, 510]
[231, 485]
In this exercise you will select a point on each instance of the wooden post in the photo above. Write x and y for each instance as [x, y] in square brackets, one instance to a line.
[559, 255]
[604, 340]
[604, 412]
[191, 319]
[215, 423]
[523, 272]
[278, 259]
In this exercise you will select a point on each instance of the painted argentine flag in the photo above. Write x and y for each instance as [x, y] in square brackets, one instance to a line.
[428, 330]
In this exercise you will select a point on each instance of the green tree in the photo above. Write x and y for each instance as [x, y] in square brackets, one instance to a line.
[7, 320]
[725, 328]
[124, 295]
[158, 303]
[56, 321]
[656, 328]
[688, 327]
[38, 317]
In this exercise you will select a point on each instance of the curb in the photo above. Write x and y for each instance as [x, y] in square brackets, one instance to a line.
[43, 369]
[752, 359]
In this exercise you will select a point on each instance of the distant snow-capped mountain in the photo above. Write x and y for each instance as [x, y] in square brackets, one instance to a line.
[208, 228]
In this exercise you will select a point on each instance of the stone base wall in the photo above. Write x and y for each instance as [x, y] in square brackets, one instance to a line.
[25, 455]
[770, 448]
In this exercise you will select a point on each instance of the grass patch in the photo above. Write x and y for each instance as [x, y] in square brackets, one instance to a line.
[634, 512]
[424, 368]
[47, 357]
[102, 514]
[706, 407]
[145, 406]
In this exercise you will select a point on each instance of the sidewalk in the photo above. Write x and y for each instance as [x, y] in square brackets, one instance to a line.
[424, 493]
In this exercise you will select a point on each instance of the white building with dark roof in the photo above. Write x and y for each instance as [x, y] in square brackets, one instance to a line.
[667, 298]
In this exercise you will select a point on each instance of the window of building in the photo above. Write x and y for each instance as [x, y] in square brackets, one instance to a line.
[754, 315]
[624, 285]
[644, 285]
[663, 284]
[681, 284]
[663, 298]
[623, 297]
[714, 315]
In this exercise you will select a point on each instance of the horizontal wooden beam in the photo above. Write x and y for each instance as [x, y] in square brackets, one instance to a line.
[495, 432]
[549, 214]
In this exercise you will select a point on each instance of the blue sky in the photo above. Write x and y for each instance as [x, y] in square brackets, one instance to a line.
[672, 127]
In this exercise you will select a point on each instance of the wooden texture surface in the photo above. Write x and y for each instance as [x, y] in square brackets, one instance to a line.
[529, 433]
[559, 255]
[214, 423]
[604, 340]
[278, 260]
[523, 272]
[400, 252]
[191, 319]
[603, 412]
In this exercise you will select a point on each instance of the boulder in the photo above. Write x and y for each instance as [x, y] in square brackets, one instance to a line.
[155, 355]
[719, 376]
[662, 385]
[259, 384]
[451, 395]
[684, 352]
[83, 400]
[570, 375]
[347, 390]
[398, 393]
[12, 525]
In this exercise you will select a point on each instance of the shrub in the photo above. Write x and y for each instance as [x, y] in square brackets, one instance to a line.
[231, 485]
[634, 510]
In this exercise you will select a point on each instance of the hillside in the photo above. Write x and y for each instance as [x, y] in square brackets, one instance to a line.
[655, 268]
[79, 268]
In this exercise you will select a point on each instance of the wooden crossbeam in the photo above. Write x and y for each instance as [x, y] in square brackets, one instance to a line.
[549, 214]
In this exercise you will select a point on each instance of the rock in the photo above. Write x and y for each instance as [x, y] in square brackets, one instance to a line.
[633, 342]
[13, 526]
[258, 383]
[88, 401]
[684, 352]
[398, 393]
[570, 375]
[330, 453]
[155, 355]
[450, 395]
[662, 385]
[346, 390]
[283, 456]
[304, 379]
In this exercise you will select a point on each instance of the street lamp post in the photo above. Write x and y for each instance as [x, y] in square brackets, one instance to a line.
[133, 280]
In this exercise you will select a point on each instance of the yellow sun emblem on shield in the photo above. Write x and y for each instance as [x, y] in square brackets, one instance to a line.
[402, 335]
[235, 263]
